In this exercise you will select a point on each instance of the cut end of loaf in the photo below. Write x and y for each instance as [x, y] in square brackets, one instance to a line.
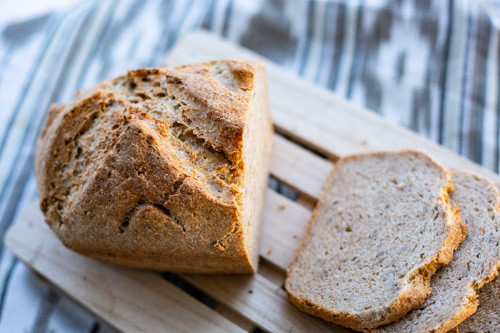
[179, 157]
[366, 231]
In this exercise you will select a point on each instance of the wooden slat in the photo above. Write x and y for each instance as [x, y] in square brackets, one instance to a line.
[299, 167]
[284, 224]
[130, 300]
[261, 301]
[276, 275]
[235, 317]
[313, 115]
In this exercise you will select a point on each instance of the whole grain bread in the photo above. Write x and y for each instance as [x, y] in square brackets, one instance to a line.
[161, 168]
[475, 262]
[382, 227]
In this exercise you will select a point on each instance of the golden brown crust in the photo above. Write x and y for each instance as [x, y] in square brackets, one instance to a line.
[147, 170]
[417, 283]
[475, 262]
[472, 303]
[222, 106]
[468, 310]
[486, 302]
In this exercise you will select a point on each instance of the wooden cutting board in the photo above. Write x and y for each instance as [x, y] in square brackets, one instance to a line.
[313, 128]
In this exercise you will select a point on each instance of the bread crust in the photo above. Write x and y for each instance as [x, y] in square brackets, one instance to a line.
[471, 300]
[416, 283]
[147, 170]
[487, 311]
[454, 296]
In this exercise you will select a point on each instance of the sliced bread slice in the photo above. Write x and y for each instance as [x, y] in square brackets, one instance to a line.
[382, 227]
[475, 262]
[487, 317]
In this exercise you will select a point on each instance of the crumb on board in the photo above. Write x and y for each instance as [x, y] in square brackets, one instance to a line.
[269, 251]
[282, 205]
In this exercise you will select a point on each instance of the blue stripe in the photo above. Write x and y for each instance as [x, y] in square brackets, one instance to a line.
[446, 57]
[357, 51]
[5, 286]
[227, 18]
[309, 34]
[29, 81]
[464, 85]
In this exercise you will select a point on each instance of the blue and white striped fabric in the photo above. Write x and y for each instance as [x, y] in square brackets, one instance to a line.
[432, 66]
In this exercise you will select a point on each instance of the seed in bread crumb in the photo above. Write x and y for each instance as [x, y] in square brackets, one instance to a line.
[401, 185]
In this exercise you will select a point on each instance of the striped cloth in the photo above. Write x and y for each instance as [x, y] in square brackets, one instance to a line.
[432, 66]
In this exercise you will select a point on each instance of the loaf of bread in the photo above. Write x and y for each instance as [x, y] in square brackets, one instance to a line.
[161, 168]
[382, 227]
[475, 262]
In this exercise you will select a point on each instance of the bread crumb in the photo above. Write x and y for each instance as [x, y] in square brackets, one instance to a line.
[269, 251]
[282, 206]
